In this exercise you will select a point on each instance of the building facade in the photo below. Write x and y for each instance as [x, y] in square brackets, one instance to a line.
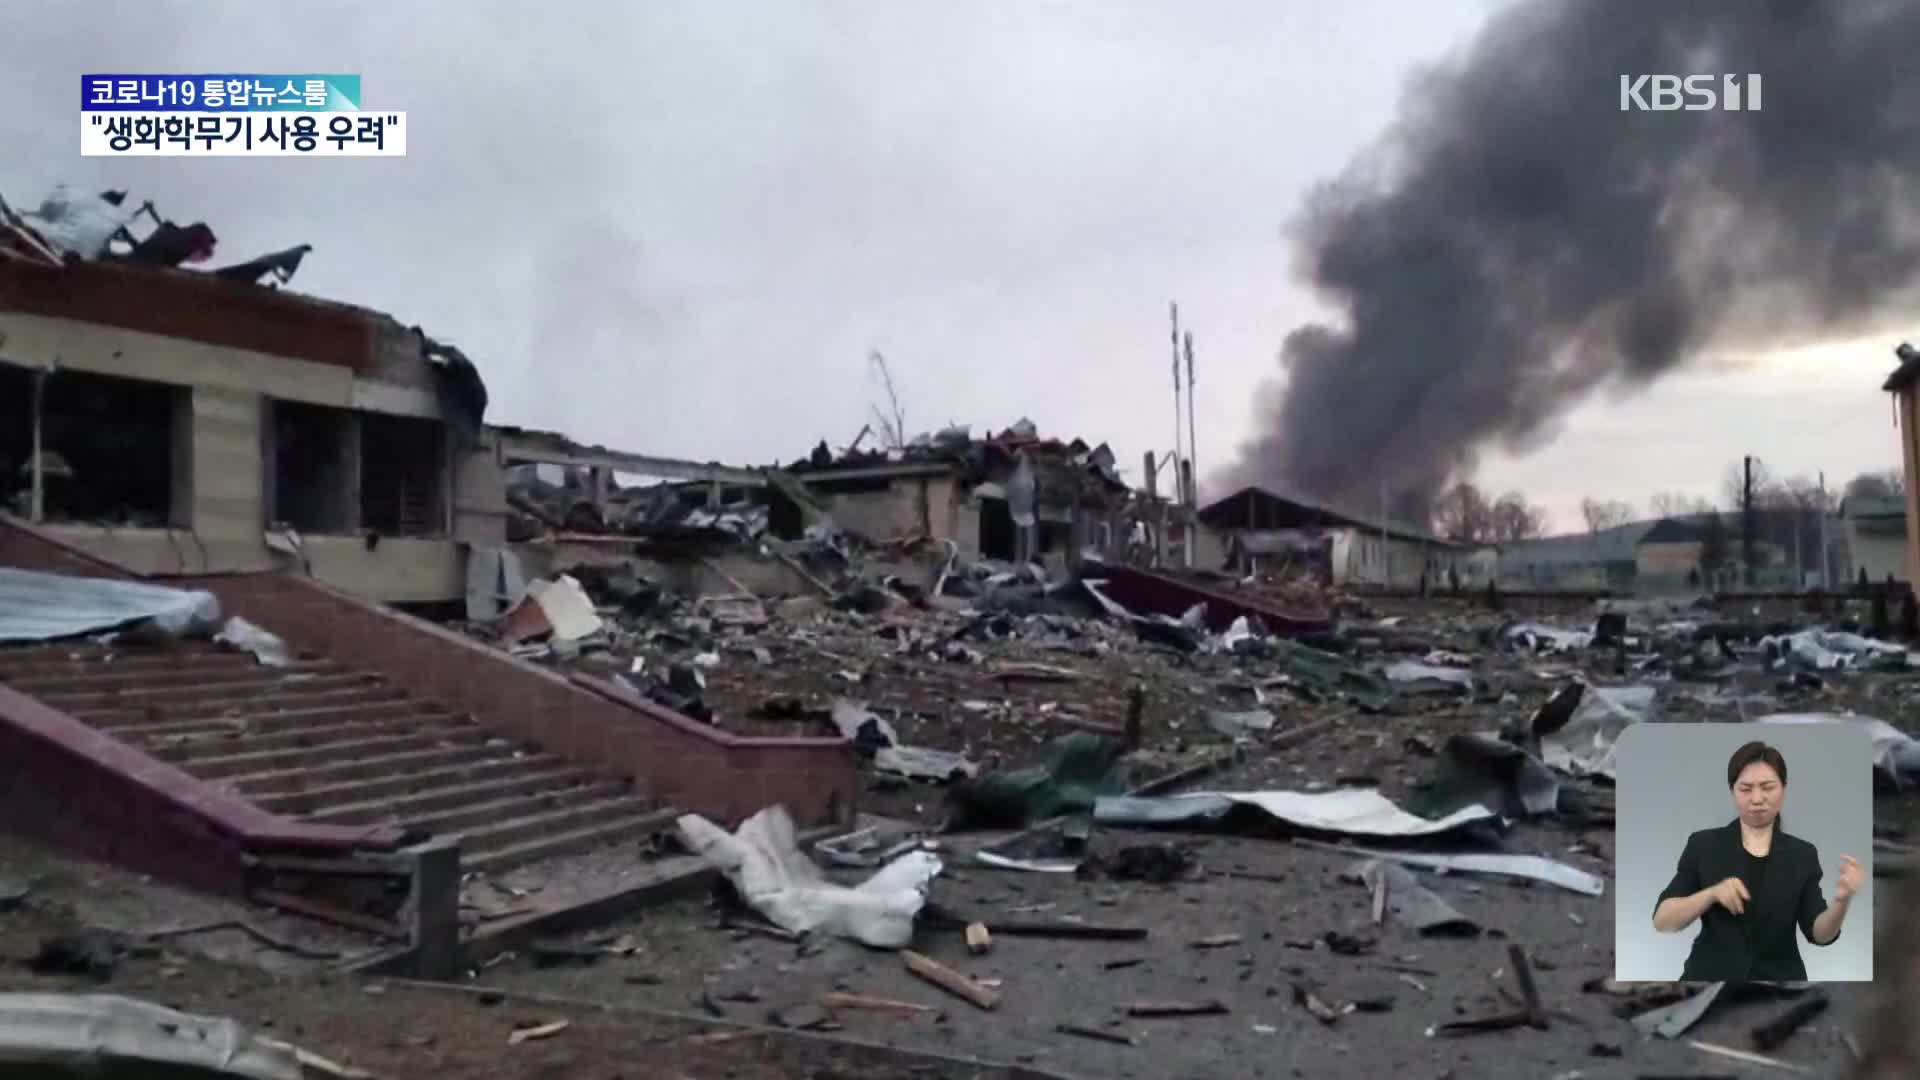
[180, 422]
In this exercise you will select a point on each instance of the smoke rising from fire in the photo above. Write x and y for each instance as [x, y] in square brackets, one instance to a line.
[1517, 241]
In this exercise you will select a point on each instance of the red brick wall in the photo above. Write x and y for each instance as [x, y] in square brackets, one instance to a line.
[193, 306]
[23, 547]
[691, 765]
[138, 811]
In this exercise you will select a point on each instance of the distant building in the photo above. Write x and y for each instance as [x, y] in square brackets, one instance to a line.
[1266, 533]
[1901, 384]
[1011, 495]
[1876, 537]
[179, 421]
[1577, 561]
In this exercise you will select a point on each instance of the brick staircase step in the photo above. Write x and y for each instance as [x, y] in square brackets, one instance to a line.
[16, 667]
[407, 806]
[228, 705]
[349, 751]
[487, 814]
[110, 679]
[513, 831]
[128, 727]
[86, 652]
[238, 689]
[186, 750]
[306, 800]
[290, 779]
[628, 828]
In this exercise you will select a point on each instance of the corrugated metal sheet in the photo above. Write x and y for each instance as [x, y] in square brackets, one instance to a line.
[48, 607]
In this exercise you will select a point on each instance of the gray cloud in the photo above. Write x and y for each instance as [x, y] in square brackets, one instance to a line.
[679, 226]
[1518, 241]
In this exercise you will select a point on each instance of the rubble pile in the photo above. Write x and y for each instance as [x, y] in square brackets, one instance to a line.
[1024, 724]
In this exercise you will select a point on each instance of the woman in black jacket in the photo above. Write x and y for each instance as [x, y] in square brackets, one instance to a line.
[1750, 884]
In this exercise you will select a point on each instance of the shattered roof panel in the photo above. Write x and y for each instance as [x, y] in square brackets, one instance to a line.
[1250, 505]
[1863, 506]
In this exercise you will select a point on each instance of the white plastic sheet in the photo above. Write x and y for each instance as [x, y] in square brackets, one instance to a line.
[1545, 638]
[1894, 751]
[1352, 811]
[1532, 867]
[568, 609]
[111, 1035]
[48, 607]
[495, 582]
[265, 646]
[764, 862]
[1833, 650]
[78, 223]
[1412, 676]
[1584, 745]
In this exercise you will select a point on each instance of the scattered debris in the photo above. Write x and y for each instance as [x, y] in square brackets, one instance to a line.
[1163, 1009]
[538, 1031]
[836, 999]
[1781, 1028]
[953, 982]
[1085, 1032]
[979, 940]
[765, 866]
[110, 1035]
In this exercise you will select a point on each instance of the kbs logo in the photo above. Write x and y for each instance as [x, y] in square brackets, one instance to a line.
[1694, 93]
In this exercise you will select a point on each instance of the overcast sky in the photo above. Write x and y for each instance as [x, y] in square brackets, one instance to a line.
[679, 228]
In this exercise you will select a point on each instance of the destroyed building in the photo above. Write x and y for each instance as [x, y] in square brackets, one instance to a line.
[179, 421]
[1906, 411]
[1265, 532]
[1874, 535]
[1014, 495]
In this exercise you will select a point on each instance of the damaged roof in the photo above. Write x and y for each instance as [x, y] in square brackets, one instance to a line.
[977, 460]
[77, 257]
[1255, 508]
[1903, 376]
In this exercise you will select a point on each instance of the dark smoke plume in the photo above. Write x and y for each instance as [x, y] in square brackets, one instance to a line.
[1518, 241]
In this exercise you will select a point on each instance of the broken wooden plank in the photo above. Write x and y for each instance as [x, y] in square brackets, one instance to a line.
[953, 982]
[1747, 1056]
[979, 940]
[1779, 1029]
[838, 999]
[1529, 991]
[539, 1031]
[1315, 1005]
[1177, 1008]
[1085, 1032]
[1060, 928]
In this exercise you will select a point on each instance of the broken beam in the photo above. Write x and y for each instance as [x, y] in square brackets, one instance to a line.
[953, 982]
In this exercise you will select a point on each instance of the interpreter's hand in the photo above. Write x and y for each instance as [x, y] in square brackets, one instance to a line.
[1850, 878]
[1731, 894]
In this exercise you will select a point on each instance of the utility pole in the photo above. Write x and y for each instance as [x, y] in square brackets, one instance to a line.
[1154, 503]
[1386, 553]
[1179, 444]
[1826, 554]
[1193, 431]
[1746, 520]
[1177, 496]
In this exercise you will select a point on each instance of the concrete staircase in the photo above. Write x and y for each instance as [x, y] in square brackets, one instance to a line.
[319, 742]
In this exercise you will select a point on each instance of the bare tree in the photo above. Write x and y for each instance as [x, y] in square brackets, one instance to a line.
[892, 421]
[1462, 514]
[1734, 486]
[1884, 484]
[1602, 515]
[1673, 504]
[1515, 520]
